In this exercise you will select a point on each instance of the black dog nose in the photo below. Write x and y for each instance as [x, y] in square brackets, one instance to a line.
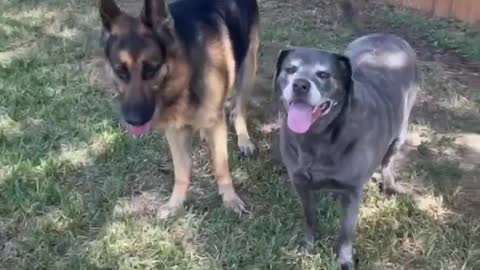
[301, 86]
[137, 114]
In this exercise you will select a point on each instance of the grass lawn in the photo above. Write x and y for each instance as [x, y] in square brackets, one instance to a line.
[76, 192]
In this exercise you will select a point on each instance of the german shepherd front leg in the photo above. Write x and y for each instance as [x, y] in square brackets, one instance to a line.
[180, 144]
[217, 140]
[244, 85]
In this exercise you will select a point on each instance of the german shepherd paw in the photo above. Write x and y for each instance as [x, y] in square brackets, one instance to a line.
[246, 146]
[233, 202]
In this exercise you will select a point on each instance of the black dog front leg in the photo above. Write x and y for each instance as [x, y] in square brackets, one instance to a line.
[308, 200]
[350, 204]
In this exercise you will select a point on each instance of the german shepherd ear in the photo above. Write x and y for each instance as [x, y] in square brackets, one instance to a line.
[156, 15]
[346, 69]
[109, 11]
[278, 66]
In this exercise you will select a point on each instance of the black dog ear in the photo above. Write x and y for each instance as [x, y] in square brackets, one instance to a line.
[156, 15]
[346, 69]
[278, 66]
[109, 11]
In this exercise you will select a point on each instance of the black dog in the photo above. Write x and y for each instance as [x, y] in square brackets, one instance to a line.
[345, 116]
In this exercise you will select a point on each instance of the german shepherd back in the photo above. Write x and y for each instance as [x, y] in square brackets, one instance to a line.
[174, 67]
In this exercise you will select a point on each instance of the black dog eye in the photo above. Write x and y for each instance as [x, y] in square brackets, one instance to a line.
[291, 69]
[323, 75]
[149, 70]
[122, 72]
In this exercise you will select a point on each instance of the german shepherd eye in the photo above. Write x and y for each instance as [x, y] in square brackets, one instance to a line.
[323, 75]
[149, 70]
[122, 72]
[291, 69]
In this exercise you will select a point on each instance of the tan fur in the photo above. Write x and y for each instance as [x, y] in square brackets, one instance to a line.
[219, 73]
[219, 78]
[217, 141]
[245, 84]
[177, 77]
[180, 144]
[126, 58]
[221, 53]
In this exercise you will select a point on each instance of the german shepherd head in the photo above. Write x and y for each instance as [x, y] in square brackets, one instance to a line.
[140, 51]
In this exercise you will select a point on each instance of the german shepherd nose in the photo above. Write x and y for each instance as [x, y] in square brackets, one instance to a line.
[301, 86]
[137, 114]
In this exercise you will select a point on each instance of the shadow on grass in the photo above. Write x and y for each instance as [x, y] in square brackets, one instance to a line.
[414, 233]
[448, 165]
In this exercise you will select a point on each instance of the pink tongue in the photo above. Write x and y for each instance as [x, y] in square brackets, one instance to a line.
[299, 117]
[138, 130]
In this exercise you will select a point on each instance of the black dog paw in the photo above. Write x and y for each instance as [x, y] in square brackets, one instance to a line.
[347, 266]
[350, 266]
[348, 262]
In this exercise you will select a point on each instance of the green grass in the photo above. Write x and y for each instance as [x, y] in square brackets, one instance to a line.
[66, 165]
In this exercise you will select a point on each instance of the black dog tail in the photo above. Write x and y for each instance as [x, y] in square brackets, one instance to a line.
[350, 15]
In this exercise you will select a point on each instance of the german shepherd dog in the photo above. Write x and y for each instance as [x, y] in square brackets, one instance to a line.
[174, 67]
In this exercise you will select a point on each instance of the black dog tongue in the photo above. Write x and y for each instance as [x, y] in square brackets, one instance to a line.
[299, 117]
